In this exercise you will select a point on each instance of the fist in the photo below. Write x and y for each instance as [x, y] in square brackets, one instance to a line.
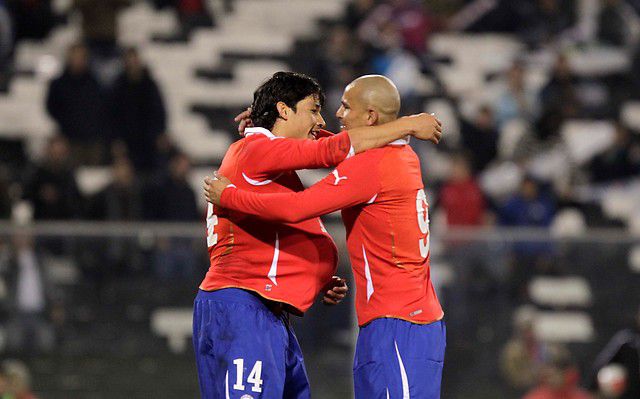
[425, 127]
[335, 291]
[213, 188]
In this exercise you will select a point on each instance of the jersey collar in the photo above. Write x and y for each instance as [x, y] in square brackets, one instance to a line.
[258, 130]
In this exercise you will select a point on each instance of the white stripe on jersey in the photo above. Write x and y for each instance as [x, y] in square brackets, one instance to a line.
[274, 263]
[367, 274]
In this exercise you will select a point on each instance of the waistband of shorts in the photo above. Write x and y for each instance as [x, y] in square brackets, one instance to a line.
[238, 295]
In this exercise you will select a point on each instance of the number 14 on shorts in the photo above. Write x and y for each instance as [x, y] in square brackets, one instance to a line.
[254, 378]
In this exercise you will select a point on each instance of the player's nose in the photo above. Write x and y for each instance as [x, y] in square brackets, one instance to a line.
[320, 122]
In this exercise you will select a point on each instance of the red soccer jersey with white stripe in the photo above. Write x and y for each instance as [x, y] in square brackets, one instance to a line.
[385, 213]
[290, 262]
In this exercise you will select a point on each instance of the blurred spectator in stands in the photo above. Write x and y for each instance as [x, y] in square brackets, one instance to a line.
[408, 17]
[617, 23]
[544, 20]
[4, 384]
[464, 206]
[559, 378]
[533, 206]
[356, 12]
[6, 45]
[139, 112]
[33, 18]
[480, 138]
[461, 197]
[19, 379]
[621, 160]
[389, 58]
[558, 99]
[517, 101]
[634, 73]
[623, 350]
[193, 14]
[122, 199]
[51, 185]
[173, 199]
[5, 197]
[30, 293]
[99, 23]
[77, 103]
[523, 355]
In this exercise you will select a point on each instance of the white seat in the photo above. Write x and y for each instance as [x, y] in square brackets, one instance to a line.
[560, 291]
[563, 327]
[586, 139]
[568, 223]
[175, 324]
[445, 112]
[511, 135]
[630, 115]
[93, 179]
[501, 180]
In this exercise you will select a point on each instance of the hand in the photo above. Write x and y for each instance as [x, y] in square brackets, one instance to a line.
[244, 119]
[335, 291]
[213, 188]
[425, 127]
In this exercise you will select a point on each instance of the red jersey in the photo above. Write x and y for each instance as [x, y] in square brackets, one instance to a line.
[463, 203]
[291, 262]
[386, 218]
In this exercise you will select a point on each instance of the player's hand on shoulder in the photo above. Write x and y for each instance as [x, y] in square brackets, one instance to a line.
[335, 291]
[244, 120]
[425, 127]
[213, 188]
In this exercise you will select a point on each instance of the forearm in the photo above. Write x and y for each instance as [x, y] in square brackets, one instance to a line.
[369, 137]
[282, 208]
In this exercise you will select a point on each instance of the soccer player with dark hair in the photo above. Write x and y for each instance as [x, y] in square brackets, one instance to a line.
[401, 344]
[262, 271]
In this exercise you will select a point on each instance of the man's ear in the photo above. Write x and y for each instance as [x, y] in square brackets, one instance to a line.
[283, 110]
[372, 117]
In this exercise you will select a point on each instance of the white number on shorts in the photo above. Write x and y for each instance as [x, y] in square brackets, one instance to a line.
[212, 221]
[255, 376]
[423, 222]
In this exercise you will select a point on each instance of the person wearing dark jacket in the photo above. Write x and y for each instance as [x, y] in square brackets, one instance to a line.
[139, 112]
[77, 103]
[51, 186]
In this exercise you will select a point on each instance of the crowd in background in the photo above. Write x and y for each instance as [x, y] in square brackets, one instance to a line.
[109, 110]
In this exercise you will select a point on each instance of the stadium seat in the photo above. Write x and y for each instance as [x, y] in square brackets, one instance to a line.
[586, 139]
[630, 115]
[501, 179]
[568, 223]
[93, 179]
[511, 134]
[446, 113]
[564, 327]
[560, 292]
[175, 324]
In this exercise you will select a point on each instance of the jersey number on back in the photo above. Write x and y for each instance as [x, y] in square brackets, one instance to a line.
[422, 208]
[212, 221]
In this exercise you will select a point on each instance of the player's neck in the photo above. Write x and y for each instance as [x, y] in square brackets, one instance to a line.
[281, 130]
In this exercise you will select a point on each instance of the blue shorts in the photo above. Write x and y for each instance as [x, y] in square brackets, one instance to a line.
[245, 351]
[398, 359]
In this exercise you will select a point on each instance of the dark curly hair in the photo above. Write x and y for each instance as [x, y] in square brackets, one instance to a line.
[288, 87]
